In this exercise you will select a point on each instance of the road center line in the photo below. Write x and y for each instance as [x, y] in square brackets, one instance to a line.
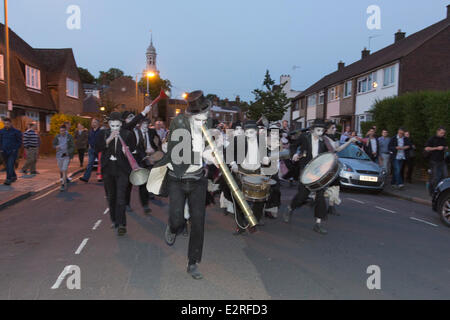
[106, 211]
[81, 246]
[355, 200]
[420, 220]
[97, 224]
[385, 209]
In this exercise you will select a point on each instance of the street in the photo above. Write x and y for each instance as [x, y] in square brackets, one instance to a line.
[42, 235]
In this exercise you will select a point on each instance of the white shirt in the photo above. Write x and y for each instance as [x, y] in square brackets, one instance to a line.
[400, 153]
[251, 161]
[315, 146]
[373, 143]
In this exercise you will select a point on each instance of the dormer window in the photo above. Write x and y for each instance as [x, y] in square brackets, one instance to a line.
[72, 88]
[33, 78]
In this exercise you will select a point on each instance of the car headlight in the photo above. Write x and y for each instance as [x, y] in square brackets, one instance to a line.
[347, 168]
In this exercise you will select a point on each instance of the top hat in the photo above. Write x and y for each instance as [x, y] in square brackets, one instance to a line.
[236, 124]
[197, 102]
[318, 123]
[115, 116]
[250, 124]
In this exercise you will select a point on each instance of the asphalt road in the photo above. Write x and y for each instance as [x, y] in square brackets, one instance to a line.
[42, 235]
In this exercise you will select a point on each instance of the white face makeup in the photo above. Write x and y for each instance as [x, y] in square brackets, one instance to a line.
[250, 133]
[332, 130]
[200, 116]
[115, 125]
[318, 132]
[238, 131]
[129, 118]
[144, 127]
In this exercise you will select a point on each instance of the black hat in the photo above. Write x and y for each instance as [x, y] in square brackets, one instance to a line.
[236, 124]
[319, 123]
[126, 114]
[114, 116]
[197, 102]
[250, 124]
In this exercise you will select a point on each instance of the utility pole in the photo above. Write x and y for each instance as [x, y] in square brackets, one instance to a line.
[8, 77]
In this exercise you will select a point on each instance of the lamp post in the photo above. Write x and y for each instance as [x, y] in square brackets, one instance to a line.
[8, 77]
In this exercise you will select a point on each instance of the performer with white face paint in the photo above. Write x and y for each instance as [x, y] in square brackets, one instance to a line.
[311, 145]
[185, 177]
[115, 168]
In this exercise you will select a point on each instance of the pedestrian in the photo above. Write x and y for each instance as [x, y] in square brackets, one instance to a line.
[435, 149]
[398, 147]
[410, 161]
[345, 135]
[92, 154]
[31, 144]
[10, 143]
[371, 145]
[81, 142]
[65, 147]
[384, 155]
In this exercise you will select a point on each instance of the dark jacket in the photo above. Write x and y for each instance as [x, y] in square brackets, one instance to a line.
[70, 144]
[81, 139]
[92, 137]
[304, 142]
[393, 145]
[179, 122]
[10, 140]
[122, 163]
[368, 148]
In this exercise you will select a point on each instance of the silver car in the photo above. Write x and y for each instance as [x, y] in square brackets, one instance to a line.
[359, 171]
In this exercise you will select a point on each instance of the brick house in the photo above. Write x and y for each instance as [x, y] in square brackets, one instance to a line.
[420, 61]
[43, 82]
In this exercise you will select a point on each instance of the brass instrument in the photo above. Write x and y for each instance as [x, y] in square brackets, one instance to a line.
[248, 213]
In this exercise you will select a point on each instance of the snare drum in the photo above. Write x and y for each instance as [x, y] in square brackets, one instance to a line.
[320, 172]
[256, 188]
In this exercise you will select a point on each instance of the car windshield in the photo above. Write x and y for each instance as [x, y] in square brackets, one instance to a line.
[353, 152]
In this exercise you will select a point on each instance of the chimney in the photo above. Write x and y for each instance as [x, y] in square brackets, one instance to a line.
[238, 99]
[341, 65]
[365, 53]
[399, 35]
[448, 11]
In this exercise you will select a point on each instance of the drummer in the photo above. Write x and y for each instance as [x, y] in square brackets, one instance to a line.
[311, 145]
[273, 202]
[246, 161]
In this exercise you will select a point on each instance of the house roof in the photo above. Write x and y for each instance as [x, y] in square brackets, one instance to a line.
[23, 54]
[54, 60]
[379, 58]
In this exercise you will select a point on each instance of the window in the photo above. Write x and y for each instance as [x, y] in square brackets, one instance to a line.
[2, 68]
[34, 116]
[47, 122]
[321, 97]
[3, 112]
[367, 83]
[333, 93]
[348, 89]
[33, 78]
[389, 76]
[312, 100]
[72, 88]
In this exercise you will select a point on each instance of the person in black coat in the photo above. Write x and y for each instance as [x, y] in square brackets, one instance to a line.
[116, 168]
[399, 148]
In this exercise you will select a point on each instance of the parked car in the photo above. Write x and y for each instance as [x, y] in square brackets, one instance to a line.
[359, 171]
[441, 201]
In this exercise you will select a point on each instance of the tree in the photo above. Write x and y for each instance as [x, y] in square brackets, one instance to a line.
[155, 85]
[86, 76]
[271, 102]
[105, 78]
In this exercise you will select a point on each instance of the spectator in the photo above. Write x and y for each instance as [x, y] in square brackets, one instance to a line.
[384, 155]
[92, 154]
[64, 145]
[81, 142]
[160, 129]
[10, 143]
[31, 143]
[435, 148]
[371, 145]
[398, 147]
[345, 135]
[285, 126]
[410, 160]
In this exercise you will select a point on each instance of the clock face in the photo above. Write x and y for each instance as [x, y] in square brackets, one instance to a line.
[124, 89]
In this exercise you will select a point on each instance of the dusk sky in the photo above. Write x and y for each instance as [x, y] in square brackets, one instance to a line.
[221, 47]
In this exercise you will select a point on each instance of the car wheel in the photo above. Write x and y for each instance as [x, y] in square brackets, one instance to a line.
[444, 208]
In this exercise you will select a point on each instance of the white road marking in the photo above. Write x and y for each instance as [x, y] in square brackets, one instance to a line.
[355, 200]
[97, 224]
[420, 220]
[45, 194]
[106, 211]
[385, 209]
[81, 246]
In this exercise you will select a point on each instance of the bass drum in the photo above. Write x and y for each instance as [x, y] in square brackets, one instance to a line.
[256, 188]
[320, 172]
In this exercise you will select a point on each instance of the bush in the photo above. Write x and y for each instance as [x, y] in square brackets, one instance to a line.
[58, 119]
[366, 126]
[421, 113]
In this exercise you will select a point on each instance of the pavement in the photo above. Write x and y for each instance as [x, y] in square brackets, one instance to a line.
[27, 184]
[45, 235]
[415, 191]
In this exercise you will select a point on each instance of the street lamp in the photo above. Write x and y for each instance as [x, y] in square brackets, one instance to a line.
[184, 95]
[150, 74]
